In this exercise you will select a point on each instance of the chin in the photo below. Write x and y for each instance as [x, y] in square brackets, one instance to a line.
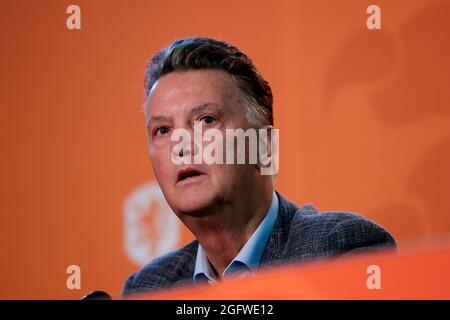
[192, 202]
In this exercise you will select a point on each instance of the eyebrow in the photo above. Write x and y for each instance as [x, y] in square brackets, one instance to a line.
[196, 110]
[206, 106]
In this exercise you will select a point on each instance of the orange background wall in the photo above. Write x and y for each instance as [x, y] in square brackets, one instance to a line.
[364, 118]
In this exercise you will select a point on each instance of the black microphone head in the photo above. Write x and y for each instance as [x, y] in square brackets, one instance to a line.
[97, 295]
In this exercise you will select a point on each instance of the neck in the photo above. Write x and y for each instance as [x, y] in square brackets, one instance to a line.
[225, 231]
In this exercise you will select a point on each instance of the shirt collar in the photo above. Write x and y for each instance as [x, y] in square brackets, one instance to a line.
[251, 253]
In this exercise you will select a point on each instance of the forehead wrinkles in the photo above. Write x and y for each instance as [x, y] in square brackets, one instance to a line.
[176, 88]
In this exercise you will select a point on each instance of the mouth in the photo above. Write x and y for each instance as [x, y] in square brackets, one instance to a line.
[189, 174]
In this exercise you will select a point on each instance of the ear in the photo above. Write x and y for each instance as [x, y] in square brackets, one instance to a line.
[264, 145]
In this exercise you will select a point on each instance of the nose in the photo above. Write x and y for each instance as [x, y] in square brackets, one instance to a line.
[188, 147]
[185, 150]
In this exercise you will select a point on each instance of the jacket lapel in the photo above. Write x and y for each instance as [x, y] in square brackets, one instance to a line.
[275, 248]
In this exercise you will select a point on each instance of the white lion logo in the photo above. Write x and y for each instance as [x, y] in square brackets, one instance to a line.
[151, 227]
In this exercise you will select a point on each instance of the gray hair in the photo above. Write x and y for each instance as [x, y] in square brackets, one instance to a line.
[206, 53]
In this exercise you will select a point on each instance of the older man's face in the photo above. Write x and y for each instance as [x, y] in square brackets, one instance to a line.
[178, 100]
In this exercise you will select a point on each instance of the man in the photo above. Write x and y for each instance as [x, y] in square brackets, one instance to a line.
[239, 221]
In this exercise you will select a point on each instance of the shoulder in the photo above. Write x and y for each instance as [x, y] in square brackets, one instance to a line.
[164, 271]
[317, 234]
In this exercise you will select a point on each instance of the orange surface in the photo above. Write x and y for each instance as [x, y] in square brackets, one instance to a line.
[364, 122]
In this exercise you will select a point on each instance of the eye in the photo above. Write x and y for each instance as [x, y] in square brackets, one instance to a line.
[161, 131]
[208, 119]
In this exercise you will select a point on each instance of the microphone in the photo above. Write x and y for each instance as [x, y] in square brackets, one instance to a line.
[97, 295]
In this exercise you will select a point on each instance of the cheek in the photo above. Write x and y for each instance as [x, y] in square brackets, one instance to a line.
[224, 174]
[161, 164]
[237, 174]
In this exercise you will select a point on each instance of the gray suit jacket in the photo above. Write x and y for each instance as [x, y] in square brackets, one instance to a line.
[299, 235]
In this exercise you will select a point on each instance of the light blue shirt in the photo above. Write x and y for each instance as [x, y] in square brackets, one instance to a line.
[249, 258]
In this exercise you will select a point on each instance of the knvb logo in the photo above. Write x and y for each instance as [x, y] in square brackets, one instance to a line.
[151, 228]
